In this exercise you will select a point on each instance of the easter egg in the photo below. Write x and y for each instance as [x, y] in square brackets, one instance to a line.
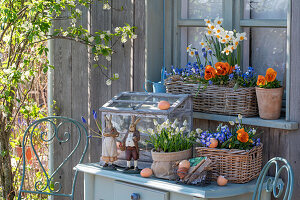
[147, 172]
[182, 172]
[213, 143]
[184, 164]
[163, 105]
[222, 181]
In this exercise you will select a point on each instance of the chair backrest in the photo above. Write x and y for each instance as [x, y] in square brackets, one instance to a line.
[274, 185]
[56, 124]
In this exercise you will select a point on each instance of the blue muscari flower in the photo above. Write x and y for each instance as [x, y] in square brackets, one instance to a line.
[210, 82]
[258, 141]
[95, 115]
[204, 54]
[201, 74]
[209, 51]
[90, 136]
[196, 53]
[230, 76]
[203, 49]
[83, 120]
[210, 63]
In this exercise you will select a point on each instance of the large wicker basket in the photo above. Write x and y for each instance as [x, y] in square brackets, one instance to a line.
[238, 166]
[218, 99]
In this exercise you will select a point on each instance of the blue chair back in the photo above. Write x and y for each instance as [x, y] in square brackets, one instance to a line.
[57, 124]
[273, 184]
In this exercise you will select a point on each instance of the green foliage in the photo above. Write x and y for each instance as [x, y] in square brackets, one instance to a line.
[169, 137]
[273, 84]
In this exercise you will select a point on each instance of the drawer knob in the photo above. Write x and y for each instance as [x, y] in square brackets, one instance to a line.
[135, 196]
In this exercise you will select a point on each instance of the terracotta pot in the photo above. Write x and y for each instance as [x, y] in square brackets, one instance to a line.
[269, 102]
[162, 165]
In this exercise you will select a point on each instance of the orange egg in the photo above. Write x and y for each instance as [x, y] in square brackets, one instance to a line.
[222, 181]
[184, 164]
[182, 172]
[147, 172]
[163, 105]
[213, 143]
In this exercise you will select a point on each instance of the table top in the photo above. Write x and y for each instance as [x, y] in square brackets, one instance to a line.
[210, 191]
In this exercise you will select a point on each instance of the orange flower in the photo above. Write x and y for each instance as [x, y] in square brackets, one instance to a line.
[242, 135]
[231, 69]
[261, 80]
[210, 72]
[271, 75]
[222, 68]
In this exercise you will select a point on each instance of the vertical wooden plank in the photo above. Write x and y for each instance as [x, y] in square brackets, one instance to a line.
[139, 46]
[99, 92]
[79, 100]
[63, 97]
[123, 58]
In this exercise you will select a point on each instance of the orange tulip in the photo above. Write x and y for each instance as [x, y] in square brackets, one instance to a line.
[261, 80]
[222, 68]
[242, 135]
[210, 72]
[271, 75]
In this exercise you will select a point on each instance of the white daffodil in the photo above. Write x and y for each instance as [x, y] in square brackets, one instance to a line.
[108, 82]
[231, 123]
[185, 123]
[227, 50]
[199, 130]
[218, 21]
[106, 6]
[207, 21]
[240, 116]
[188, 49]
[241, 36]
[211, 26]
[209, 32]
[253, 131]
[203, 43]
[218, 30]
[192, 53]
[237, 121]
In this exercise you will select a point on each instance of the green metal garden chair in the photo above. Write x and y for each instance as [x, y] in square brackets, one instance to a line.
[274, 185]
[56, 124]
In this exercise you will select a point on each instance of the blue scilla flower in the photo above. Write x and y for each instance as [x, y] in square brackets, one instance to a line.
[203, 49]
[201, 73]
[231, 76]
[209, 51]
[210, 63]
[258, 142]
[204, 54]
[210, 82]
[83, 120]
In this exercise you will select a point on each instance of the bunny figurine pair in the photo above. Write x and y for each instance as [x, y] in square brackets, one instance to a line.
[129, 144]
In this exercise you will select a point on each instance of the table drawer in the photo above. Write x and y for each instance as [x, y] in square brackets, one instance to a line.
[123, 191]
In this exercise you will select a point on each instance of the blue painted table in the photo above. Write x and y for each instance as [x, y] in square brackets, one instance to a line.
[102, 184]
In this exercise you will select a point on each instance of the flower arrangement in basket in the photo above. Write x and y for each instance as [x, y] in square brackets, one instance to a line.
[269, 95]
[236, 152]
[171, 144]
[218, 87]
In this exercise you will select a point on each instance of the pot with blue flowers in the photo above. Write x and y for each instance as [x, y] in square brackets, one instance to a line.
[269, 95]
[171, 143]
[235, 151]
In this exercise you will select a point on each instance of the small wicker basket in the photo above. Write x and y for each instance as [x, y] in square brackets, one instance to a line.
[238, 166]
[217, 99]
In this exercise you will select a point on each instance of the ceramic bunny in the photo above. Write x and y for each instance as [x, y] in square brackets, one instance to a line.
[109, 145]
[130, 144]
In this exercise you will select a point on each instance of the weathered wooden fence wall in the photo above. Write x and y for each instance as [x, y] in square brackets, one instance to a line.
[80, 88]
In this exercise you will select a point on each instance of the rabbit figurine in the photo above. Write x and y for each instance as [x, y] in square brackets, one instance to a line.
[130, 142]
[109, 145]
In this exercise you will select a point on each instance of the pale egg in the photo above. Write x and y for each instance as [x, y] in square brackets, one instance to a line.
[184, 164]
[147, 172]
[213, 143]
[222, 181]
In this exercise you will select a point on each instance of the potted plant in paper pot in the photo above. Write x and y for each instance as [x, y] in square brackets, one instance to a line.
[171, 144]
[269, 95]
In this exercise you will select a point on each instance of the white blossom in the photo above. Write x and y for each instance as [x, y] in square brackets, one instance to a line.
[108, 58]
[78, 11]
[155, 122]
[91, 39]
[231, 123]
[151, 131]
[116, 75]
[123, 40]
[117, 29]
[65, 34]
[134, 36]
[96, 58]
[106, 6]
[185, 123]
[182, 129]
[102, 36]
[108, 82]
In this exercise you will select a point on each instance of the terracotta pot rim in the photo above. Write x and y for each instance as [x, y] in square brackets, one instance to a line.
[267, 88]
